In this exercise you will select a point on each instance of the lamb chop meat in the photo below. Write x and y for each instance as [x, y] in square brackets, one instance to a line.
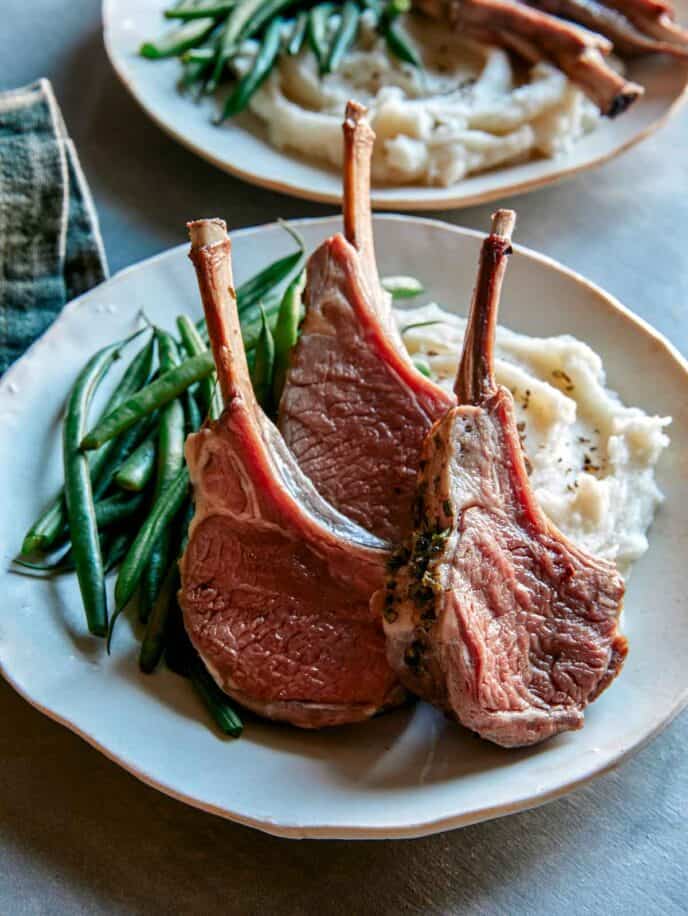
[627, 38]
[490, 612]
[577, 52]
[276, 584]
[354, 410]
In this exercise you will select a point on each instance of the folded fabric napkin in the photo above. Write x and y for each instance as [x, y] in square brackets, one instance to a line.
[50, 244]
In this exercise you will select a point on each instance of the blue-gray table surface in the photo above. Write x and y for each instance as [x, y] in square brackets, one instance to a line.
[78, 835]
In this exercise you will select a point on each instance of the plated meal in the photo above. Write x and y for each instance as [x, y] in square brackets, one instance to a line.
[355, 524]
[453, 89]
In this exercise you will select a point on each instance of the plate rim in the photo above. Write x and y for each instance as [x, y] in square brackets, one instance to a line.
[361, 831]
[380, 202]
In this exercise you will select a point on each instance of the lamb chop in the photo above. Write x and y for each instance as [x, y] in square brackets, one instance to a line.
[276, 584]
[354, 410]
[490, 612]
[613, 22]
[544, 30]
[536, 35]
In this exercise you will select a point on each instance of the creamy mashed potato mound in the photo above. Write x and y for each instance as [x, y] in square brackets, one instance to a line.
[591, 458]
[469, 109]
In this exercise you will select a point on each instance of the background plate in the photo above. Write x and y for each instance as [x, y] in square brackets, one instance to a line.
[241, 148]
[407, 773]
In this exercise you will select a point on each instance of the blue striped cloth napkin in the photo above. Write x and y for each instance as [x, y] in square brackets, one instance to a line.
[50, 244]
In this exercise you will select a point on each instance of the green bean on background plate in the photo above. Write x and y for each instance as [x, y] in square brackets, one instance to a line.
[344, 36]
[318, 37]
[399, 44]
[256, 76]
[178, 40]
[212, 8]
[298, 34]
[234, 29]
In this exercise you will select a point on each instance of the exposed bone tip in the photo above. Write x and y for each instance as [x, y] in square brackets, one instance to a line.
[204, 232]
[503, 222]
[624, 99]
[355, 112]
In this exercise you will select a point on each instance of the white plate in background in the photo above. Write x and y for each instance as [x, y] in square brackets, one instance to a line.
[241, 146]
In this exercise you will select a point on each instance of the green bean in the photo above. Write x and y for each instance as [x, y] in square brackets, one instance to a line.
[298, 34]
[135, 473]
[109, 512]
[251, 331]
[251, 313]
[178, 648]
[265, 15]
[171, 436]
[399, 45]
[134, 378]
[192, 413]
[117, 549]
[198, 61]
[215, 8]
[237, 21]
[158, 393]
[162, 514]
[420, 324]
[261, 375]
[117, 508]
[249, 84]
[79, 496]
[171, 428]
[63, 564]
[286, 332]
[318, 20]
[178, 40]
[218, 704]
[46, 529]
[194, 344]
[198, 56]
[402, 287]
[123, 446]
[112, 547]
[257, 288]
[423, 367]
[194, 71]
[344, 36]
[153, 644]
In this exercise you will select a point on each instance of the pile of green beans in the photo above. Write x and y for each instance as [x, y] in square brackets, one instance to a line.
[210, 35]
[126, 501]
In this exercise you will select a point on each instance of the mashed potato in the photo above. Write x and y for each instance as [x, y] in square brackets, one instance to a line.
[466, 111]
[591, 458]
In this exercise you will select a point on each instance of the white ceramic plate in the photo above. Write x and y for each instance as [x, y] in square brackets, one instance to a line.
[407, 773]
[241, 147]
